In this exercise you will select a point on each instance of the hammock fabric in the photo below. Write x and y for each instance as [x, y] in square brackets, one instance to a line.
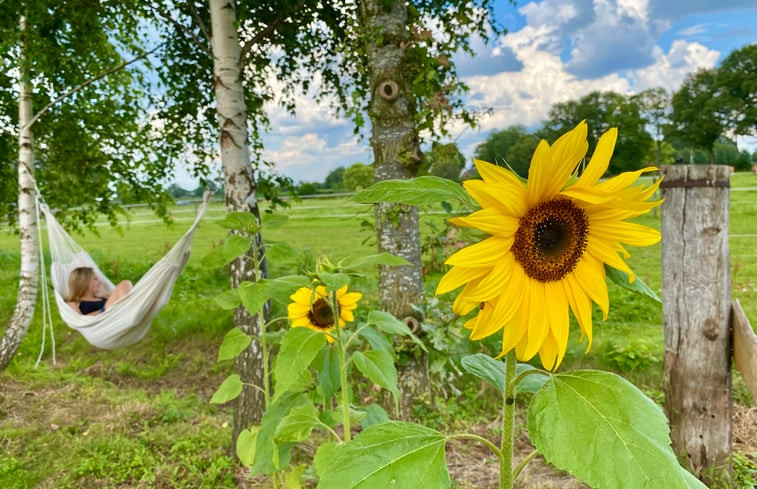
[128, 319]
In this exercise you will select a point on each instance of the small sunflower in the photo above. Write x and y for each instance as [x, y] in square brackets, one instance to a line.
[311, 308]
[549, 240]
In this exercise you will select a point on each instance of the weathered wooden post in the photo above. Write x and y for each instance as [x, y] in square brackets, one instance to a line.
[696, 296]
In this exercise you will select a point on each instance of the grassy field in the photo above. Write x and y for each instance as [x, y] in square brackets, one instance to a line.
[139, 417]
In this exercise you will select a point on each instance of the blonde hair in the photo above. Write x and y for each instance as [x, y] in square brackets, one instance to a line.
[79, 282]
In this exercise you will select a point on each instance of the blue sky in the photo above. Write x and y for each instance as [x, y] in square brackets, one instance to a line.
[554, 51]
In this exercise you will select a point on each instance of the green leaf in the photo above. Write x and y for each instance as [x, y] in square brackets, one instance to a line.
[377, 340]
[327, 365]
[426, 190]
[255, 294]
[298, 349]
[214, 259]
[638, 285]
[298, 424]
[486, 368]
[235, 246]
[229, 389]
[334, 281]
[246, 444]
[270, 456]
[532, 383]
[233, 344]
[324, 456]
[378, 366]
[394, 454]
[375, 414]
[380, 259]
[622, 434]
[228, 299]
[390, 324]
[274, 221]
[293, 478]
[240, 221]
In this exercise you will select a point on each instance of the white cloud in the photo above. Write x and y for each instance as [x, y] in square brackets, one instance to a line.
[669, 70]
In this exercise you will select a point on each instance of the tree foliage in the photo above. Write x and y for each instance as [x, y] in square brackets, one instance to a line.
[512, 146]
[358, 176]
[737, 89]
[443, 160]
[94, 148]
[697, 116]
[603, 110]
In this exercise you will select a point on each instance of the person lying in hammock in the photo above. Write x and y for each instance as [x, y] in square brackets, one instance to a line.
[83, 286]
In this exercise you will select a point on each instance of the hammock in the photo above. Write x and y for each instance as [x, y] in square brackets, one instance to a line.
[128, 319]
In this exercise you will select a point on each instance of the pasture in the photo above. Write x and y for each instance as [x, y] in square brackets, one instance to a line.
[140, 417]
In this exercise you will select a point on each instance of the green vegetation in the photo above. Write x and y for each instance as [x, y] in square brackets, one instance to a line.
[140, 417]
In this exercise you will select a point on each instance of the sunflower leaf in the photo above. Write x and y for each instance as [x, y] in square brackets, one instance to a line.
[240, 221]
[274, 221]
[324, 456]
[228, 299]
[235, 246]
[393, 454]
[378, 366]
[327, 365]
[621, 278]
[615, 425]
[426, 190]
[297, 424]
[391, 325]
[255, 294]
[334, 281]
[294, 476]
[486, 368]
[229, 389]
[270, 456]
[377, 340]
[299, 347]
[233, 344]
[246, 443]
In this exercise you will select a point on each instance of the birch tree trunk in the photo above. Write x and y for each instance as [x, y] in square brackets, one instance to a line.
[397, 155]
[27, 217]
[240, 196]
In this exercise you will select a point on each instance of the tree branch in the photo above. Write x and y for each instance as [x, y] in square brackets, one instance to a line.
[87, 83]
[197, 40]
[269, 29]
[200, 24]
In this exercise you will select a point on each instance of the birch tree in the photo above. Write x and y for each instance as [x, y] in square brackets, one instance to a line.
[217, 69]
[50, 51]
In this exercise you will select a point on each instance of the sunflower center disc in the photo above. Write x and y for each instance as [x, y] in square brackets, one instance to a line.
[321, 314]
[550, 239]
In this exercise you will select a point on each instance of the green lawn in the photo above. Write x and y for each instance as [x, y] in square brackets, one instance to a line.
[139, 417]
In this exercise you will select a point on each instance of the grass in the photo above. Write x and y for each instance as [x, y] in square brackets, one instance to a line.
[139, 417]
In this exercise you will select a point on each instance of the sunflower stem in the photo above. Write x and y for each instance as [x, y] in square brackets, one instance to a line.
[508, 424]
[342, 369]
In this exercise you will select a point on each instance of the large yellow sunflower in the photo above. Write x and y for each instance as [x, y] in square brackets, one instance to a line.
[311, 308]
[549, 240]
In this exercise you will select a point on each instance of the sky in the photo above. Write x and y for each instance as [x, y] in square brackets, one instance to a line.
[553, 51]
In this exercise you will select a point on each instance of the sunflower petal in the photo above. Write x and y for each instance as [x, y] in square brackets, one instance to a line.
[538, 320]
[600, 160]
[457, 276]
[490, 221]
[495, 174]
[482, 254]
[590, 274]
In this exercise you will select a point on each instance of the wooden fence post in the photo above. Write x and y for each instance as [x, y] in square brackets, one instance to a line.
[696, 297]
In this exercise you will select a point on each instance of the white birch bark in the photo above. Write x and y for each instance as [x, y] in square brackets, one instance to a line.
[240, 195]
[27, 218]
